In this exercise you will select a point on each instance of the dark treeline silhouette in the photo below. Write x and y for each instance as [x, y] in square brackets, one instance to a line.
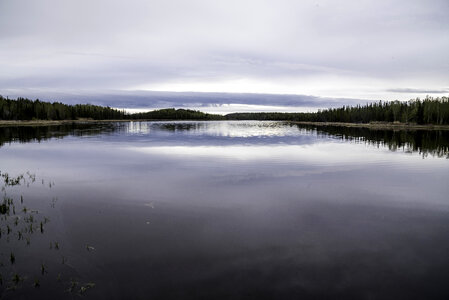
[424, 142]
[26, 109]
[176, 114]
[427, 111]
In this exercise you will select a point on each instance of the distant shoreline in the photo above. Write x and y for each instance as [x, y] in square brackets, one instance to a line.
[377, 125]
[374, 125]
[428, 114]
[13, 123]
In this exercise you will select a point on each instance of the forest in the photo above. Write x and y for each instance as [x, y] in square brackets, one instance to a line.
[427, 111]
[175, 114]
[26, 109]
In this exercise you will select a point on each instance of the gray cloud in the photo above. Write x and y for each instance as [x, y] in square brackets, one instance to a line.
[151, 100]
[351, 49]
[418, 91]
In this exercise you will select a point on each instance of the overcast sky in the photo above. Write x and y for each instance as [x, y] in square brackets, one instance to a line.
[359, 49]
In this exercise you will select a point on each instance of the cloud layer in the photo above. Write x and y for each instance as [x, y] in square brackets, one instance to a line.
[354, 49]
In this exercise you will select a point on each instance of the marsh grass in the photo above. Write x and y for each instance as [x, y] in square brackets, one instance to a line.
[18, 227]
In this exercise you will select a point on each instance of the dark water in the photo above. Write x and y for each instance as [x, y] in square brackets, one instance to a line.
[226, 210]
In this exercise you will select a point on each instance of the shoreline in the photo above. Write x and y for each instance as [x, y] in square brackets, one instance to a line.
[14, 123]
[386, 126]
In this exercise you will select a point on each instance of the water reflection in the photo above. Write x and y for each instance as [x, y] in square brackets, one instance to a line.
[240, 210]
[25, 134]
[228, 128]
[425, 142]
[220, 133]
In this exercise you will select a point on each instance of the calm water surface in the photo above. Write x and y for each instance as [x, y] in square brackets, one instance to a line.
[228, 210]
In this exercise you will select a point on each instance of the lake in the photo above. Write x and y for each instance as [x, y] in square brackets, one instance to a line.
[223, 210]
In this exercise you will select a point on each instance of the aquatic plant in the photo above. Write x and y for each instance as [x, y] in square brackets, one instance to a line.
[18, 225]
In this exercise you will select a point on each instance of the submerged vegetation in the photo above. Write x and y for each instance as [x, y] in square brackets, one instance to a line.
[23, 257]
[427, 111]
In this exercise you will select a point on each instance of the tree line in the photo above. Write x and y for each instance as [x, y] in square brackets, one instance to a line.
[26, 109]
[427, 111]
[176, 114]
